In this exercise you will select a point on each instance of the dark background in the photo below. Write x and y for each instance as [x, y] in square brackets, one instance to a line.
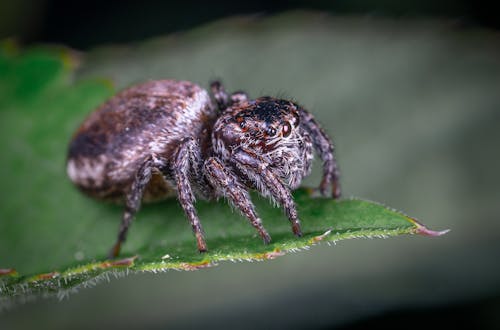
[74, 23]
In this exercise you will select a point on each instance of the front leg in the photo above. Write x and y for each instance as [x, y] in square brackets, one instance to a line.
[186, 165]
[324, 147]
[227, 184]
[268, 184]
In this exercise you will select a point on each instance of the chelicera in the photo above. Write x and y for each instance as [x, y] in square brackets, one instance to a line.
[166, 138]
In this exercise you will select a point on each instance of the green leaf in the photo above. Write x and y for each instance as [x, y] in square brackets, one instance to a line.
[53, 240]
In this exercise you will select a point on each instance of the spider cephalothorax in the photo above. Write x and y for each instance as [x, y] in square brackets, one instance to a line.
[268, 129]
[165, 137]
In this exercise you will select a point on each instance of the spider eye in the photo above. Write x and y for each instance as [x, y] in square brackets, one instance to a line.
[242, 124]
[287, 129]
[271, 131]
[296, 119]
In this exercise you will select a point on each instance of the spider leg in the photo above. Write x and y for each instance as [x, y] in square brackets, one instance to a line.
[268, 184]
[187, 157]
[228, 185]
[220, 95]
[223, 99]
[325, 149]
[238, 97]
[133, 199]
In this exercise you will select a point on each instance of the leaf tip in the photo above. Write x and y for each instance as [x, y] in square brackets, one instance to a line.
[421, 229]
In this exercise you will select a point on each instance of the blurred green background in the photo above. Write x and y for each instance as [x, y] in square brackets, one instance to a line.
[411, 95]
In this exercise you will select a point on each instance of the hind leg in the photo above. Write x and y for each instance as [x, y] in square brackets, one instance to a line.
[133, 199]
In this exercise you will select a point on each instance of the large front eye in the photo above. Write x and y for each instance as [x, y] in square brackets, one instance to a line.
[287, 129]
[271, 131]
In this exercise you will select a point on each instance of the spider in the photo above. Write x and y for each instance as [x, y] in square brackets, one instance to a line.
[165, 138]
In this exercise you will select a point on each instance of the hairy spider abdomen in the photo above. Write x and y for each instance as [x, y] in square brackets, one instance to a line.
[148, 119]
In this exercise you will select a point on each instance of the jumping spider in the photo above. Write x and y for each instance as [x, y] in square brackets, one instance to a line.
[166, 138]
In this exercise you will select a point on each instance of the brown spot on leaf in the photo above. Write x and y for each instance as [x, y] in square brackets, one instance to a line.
[8, 272]
[270, 255]
[46, 276]
[127, 262]
[195, 265]
[319, 238]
